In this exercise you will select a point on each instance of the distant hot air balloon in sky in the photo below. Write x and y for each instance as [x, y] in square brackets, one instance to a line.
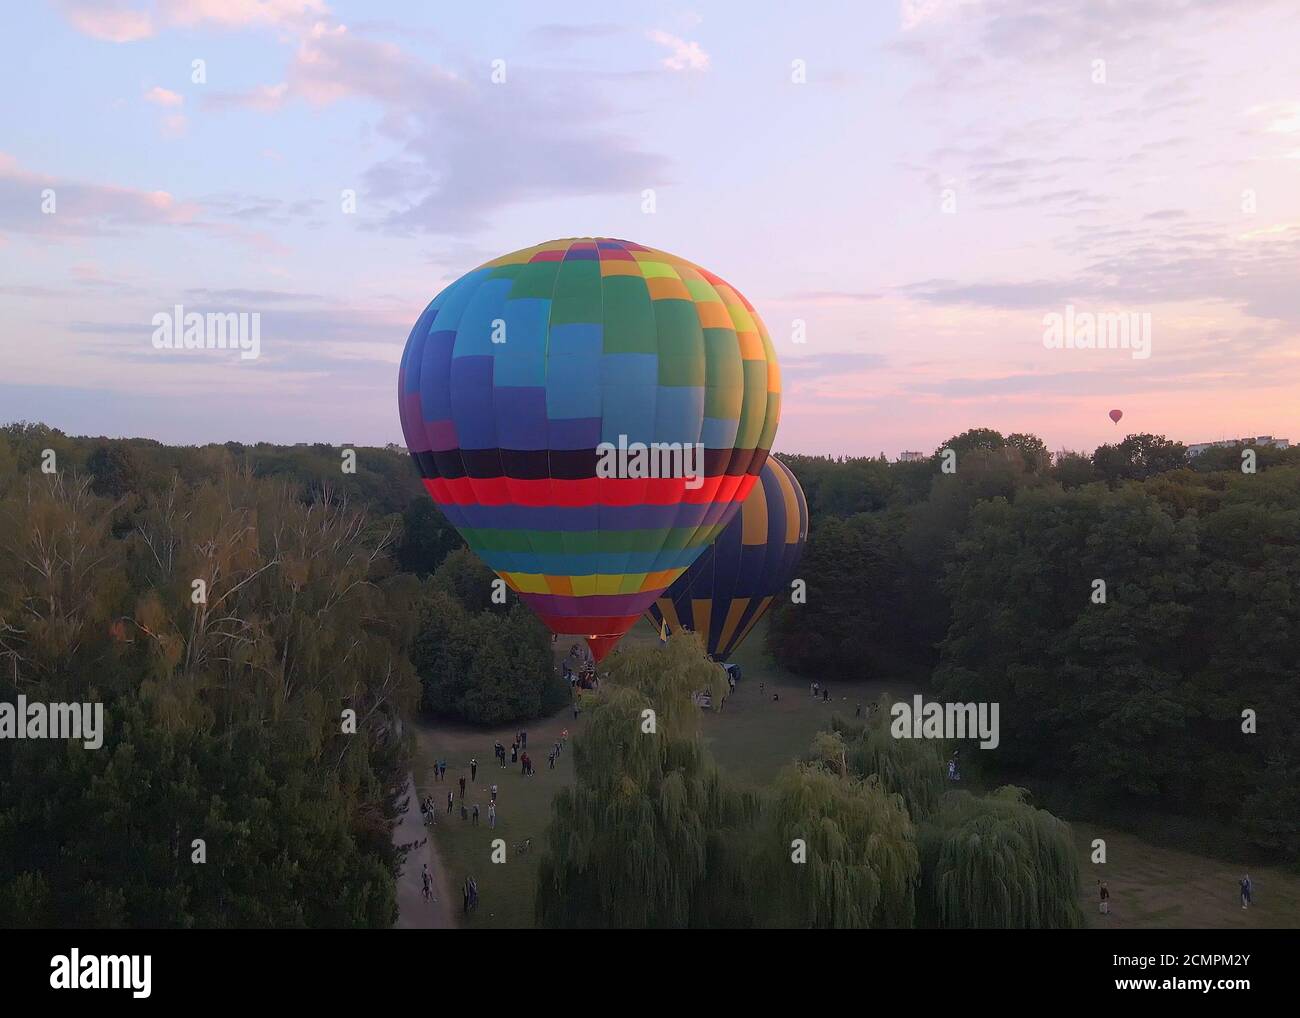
[520, 378]
[728, 588]
[1115, 415]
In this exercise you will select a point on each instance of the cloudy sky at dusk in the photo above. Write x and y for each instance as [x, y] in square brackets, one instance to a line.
[950, 172]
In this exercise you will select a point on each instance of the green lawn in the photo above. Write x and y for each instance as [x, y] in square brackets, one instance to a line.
[523, 811]
[1155, 888]
[752, 738]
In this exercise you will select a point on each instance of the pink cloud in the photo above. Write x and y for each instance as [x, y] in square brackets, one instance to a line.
[110, 20]
[686, 56]
[120, 21]
[79, 208]
[164, 97]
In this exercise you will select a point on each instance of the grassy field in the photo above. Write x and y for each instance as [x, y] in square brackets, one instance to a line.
[752, 738]
[1161, 888]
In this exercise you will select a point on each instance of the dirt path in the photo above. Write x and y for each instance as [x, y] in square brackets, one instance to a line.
[413, 912]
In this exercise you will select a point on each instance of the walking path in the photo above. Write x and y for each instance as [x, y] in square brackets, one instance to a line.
[413, 912]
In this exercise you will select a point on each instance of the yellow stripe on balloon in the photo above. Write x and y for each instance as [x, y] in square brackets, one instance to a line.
[734, 613]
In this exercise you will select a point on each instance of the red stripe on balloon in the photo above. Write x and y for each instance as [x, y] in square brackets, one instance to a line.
[611, 491]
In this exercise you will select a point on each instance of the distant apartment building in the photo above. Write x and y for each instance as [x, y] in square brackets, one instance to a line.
[910, 457]
[1232, 443]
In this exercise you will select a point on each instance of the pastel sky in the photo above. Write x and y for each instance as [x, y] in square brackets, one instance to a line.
[949, 173]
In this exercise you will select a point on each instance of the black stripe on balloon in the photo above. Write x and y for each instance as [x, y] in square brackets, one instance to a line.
[561, 464]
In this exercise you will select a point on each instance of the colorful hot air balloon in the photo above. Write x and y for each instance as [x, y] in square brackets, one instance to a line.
[731, 585]
[520, 377]
[1115, 415]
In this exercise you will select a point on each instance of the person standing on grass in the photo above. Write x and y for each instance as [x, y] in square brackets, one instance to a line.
[492, 814]
[494, 793]
[462, 786]
[1103, 893]
[550, 759]
[475, 814]
[451, 797]
[1246, 889]
[424, 879]
[473, 769]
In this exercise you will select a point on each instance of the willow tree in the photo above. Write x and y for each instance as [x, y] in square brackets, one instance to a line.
[997, 862]
[839, 851]
[640, 839]
[912, 768]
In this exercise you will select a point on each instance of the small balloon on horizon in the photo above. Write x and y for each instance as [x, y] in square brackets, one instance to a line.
[1115, 415]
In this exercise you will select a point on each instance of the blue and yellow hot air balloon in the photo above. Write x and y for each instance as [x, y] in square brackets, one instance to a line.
[728, 588]
[519, 377]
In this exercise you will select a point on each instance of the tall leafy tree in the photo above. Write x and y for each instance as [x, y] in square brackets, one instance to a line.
[638, 838]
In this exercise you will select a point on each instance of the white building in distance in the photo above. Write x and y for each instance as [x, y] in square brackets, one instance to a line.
[910, 457]
[1232, 443]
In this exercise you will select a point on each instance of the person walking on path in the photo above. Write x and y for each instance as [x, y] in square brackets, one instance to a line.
[494, 793]
[473, 770]
[492, 814]
[475, 814]
[427, 882]
[450, 798]
[462, 786]
[1103, 893]
[1246, 889]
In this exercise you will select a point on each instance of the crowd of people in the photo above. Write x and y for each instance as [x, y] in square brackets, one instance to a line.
[579, 669]
[458, 798]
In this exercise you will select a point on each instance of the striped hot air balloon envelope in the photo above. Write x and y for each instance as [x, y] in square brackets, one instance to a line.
[728, 588]
[521, 375]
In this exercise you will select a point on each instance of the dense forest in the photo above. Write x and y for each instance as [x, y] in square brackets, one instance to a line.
[254, 621]
[1129, 694]
[258, 620]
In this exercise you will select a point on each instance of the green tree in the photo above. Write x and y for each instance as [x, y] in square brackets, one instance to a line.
[639, 840]
[115, 468]
[995, 862]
